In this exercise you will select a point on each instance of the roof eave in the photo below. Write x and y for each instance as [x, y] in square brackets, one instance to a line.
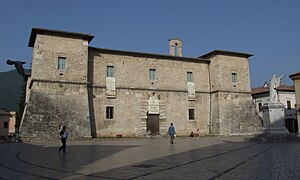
[150, 54]
[36, 31]
[223, 52]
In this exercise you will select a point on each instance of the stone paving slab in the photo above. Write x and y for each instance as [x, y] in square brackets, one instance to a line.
[188, 158]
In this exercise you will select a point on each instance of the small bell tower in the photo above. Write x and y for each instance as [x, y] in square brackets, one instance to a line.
[175, 47]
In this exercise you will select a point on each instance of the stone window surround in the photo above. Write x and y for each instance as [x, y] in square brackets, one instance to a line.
[191, 117]
[110, 71]
[190, 76]
[109, 109]
[234, 77]
[152, 74]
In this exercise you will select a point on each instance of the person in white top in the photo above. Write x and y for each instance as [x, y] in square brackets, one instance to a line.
[63, 137]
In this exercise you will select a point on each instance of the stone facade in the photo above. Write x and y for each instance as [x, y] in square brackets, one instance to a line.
[232, 111]
[7, 122]
[104, 93]
[296, 79]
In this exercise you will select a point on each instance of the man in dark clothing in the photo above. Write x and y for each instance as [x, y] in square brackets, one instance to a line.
[63, 137]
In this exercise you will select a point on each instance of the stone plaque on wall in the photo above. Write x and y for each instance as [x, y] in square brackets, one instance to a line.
[110, 86]
[153, 105]
[191, 90]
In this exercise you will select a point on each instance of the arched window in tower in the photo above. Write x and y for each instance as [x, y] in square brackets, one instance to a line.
[176, 49]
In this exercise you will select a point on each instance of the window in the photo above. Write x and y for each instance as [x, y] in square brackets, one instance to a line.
[176, 49]
[5, 125]
[110, 71]
[234, 78]
[109, 112]
[152, 74]
[288, 103]
[191, 114]
[189, 77]
[61, 63]
[259, 106]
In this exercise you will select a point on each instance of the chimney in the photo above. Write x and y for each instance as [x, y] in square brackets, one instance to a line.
[175, 47]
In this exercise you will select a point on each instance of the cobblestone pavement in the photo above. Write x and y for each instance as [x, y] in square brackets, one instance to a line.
[188, 158]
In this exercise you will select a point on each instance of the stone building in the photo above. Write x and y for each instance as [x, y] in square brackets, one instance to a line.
[103, 92]
[7, 122]
[286, 96]
[296, 79]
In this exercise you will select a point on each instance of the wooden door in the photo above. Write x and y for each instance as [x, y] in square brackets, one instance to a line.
[153, 123]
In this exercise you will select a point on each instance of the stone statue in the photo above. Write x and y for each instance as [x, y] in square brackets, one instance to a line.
[18, 66]
[274, 84]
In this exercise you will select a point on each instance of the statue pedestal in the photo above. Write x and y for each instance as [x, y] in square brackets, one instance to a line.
[273, 118]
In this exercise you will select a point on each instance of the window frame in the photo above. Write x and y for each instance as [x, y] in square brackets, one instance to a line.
[110, 71]
[109, 112]
[152, 74]
[190, 77]
[191, 116]
[61, 66]
[234, 77]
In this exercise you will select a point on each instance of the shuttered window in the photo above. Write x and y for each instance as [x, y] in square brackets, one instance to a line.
[110, 71]
[61, 63]
[190, 77]
[152, 74]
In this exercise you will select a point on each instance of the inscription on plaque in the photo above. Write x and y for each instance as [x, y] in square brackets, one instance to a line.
[153, 105]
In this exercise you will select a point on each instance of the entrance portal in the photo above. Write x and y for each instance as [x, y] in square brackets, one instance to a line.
[153, 123]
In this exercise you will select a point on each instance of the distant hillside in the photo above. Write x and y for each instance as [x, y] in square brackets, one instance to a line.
[10, 90]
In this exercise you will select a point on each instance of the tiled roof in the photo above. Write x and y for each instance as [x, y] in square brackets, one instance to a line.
[295, 75]
[262, 89]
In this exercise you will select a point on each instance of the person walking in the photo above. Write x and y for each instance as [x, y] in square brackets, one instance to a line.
[171, 133]
[63, 137]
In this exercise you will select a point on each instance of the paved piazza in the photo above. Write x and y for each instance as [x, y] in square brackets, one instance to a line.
[188, 158]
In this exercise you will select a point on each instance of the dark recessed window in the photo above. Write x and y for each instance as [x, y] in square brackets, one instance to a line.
[259, 106]
[109, 112]
[191, 114]
[5, 125]
[288, 103]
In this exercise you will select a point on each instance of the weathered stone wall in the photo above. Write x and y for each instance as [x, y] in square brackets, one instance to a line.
[51, 105]
[132, 71]
[57, 96]
[238, 115]
[79, 94]
[233, 111]
[45, 55]
[222, 66]
[215, 114]
[131, 112]
[134, 88]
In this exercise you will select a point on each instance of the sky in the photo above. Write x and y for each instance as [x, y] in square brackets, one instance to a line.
[268, 29]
